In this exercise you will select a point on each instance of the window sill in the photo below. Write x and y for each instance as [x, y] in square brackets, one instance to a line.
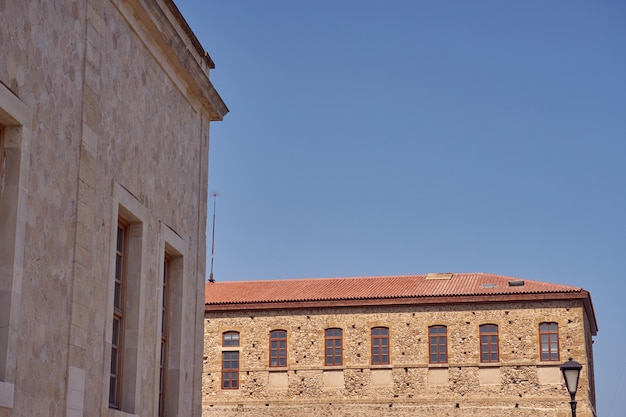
[382, 366]
[117, 413]
[277, 369]
[439, 365]
[489, 364]
[549, 363]
[6, 394]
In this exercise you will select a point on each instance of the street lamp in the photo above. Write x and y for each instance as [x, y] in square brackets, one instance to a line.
[571, 372]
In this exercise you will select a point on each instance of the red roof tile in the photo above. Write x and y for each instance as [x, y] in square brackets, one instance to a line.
[381, 287]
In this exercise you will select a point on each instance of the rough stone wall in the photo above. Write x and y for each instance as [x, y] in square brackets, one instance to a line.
[108, 111]
[519, 385]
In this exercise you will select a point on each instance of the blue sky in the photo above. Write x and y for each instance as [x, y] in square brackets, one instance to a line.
[406, 137]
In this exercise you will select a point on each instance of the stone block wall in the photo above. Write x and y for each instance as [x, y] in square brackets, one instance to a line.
[518, 385]
[115, 121]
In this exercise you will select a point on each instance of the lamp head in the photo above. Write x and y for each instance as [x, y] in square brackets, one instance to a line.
[571, 372]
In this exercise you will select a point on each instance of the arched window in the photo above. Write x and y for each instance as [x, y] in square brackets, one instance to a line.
[549, 341]
[438, 344]
[333, 347]
[380, 346]
[489, 343]
[278, 348]
[230, 339]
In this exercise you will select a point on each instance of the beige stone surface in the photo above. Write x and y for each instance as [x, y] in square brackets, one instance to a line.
[381, 378]
[489, 376]
[438, 376]
[548, 375]
[519, 385]
[333, 379]
[278, 380]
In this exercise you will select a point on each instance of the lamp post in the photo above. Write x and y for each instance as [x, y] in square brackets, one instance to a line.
[571, 372]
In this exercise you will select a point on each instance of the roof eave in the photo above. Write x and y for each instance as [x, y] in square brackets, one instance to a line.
[591, 314]
[428, 300]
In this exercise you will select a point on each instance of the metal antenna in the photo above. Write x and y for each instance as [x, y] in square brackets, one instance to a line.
[215, 194]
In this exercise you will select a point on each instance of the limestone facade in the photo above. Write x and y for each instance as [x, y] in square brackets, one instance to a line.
[518, 384]
[105, 107]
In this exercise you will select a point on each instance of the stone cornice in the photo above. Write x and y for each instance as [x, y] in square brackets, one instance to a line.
[165, 33]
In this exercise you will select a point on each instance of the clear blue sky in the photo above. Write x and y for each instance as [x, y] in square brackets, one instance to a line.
[401, 137]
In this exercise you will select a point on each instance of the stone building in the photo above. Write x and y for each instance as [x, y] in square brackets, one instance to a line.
[430, 345]
[105, 108]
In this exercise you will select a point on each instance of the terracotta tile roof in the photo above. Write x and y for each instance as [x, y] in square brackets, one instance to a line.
[388, 290]
[379, 287]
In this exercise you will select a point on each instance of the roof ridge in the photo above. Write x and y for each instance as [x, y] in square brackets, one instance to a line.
[383, 287]
[368, 277]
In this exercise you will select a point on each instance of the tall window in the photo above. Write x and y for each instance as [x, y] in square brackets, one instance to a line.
[15, 163]
[125, 317]
[164, 329]
[230, 361]
[169, 375]
[489, 343]
[549, 337]
[333, 347]
[438, 341]
[278, 348]
[380, 346]
[121, 252]
[1, 158]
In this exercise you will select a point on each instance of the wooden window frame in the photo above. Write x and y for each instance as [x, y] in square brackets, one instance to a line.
[229, 339]
[278, 353]
[165, 295]
[230, 369]
[117, 335]
[230, 373]
[333, 347]
[491, 346]
[1, 158]
[553, 338]
[380, 341]
[438, 341]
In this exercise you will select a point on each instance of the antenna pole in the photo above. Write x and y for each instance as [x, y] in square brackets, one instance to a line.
[215, 194]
